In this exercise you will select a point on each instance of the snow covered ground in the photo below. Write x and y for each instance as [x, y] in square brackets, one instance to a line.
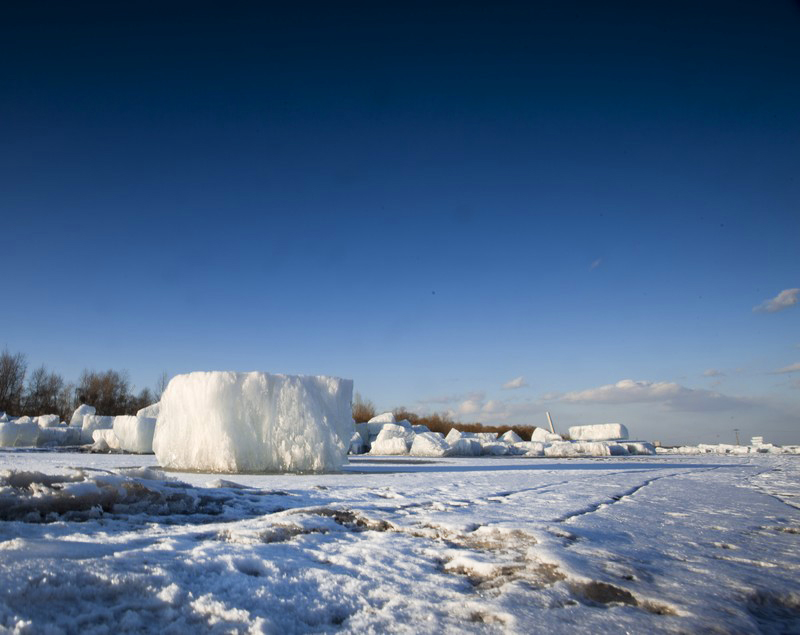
[96, 543]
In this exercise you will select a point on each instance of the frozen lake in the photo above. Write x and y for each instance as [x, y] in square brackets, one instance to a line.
[96, 543]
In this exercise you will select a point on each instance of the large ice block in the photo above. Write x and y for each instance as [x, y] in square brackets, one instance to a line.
[234, 422]
[599, 432]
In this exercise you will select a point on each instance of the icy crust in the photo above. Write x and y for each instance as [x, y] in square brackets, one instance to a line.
[259, 422]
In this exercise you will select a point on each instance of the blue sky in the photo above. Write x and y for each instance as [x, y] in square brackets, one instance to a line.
[432, 199]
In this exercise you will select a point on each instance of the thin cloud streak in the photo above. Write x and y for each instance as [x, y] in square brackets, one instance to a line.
[785, 299]
[791, 368]
[517, 382]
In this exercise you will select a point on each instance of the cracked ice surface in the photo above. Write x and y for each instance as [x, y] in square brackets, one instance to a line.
[108, 543]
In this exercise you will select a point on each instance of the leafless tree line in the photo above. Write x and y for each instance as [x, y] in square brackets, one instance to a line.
[46, 392]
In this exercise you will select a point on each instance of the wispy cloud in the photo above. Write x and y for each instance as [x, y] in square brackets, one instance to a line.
[513, 384]
[670, 394]
[785, 299]
[713, 372]
[791, 368]
[595, 264]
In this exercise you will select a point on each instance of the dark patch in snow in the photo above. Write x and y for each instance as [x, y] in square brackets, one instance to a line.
[775, 613]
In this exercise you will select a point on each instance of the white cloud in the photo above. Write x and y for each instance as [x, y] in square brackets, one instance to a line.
[791, 368]
[518, 382]
[595, 264]
[670, 394]
[713, 372]
[785, 299]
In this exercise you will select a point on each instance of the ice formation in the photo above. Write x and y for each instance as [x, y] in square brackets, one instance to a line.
[80, 412]
[429, 444]
[19, 433]
[105, 440]
[599, 432]
[150, 411]
[134, 434]
[92, 423]
[233, 422]
[48, 421]
[543, 436]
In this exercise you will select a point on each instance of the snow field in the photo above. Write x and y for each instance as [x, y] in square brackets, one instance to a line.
[455, 545]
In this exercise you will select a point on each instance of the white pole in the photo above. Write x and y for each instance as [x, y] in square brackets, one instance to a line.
[550, 421]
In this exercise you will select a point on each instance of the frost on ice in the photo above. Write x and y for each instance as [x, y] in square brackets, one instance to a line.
[235, 422]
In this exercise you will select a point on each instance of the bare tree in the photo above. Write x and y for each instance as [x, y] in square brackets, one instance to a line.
[161, 385]
[12, 381]
[363, 409]
[109, 392]
[44, 390]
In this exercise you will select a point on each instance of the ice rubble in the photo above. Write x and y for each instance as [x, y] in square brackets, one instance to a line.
[92, 423]
[383, 435]
[726, 448]
[233, 422]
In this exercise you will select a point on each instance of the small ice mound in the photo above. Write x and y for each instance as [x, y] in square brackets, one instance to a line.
[390, 446]
[48, 421]
[135, 434]
[234, 422]
[80, 412]
[393, 439]
[510, 437]
[386, 417]
[540, 435]
[58, 436]
[640, 447]
[455, 434]
[375, 424]
[105, 440]
[357, 445]
[563, 449]
[530, 448]
[92, 423]
[150, 411]
[494, 448]
[419, 429]
[488, 437]
[465, 447]
[599, 432]
[429, 444]
[14, 434]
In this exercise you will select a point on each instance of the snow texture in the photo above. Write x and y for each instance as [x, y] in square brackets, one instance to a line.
[599, 432]
[483, 545]
[234, 422]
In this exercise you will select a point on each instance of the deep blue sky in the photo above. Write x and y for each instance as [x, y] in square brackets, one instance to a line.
[431, 200]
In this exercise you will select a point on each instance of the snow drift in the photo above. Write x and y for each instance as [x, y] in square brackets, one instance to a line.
[234, 422]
